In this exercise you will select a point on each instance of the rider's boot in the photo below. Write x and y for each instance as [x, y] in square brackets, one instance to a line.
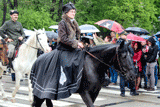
[9, 65]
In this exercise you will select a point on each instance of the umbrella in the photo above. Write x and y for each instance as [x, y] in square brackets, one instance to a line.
[28, 32]
[145, 36]
[135, 38]
[54, 27]
[88, 28]
[51, 35]
[158, 34]
[136, 30]
[85, 39]
[111, 25]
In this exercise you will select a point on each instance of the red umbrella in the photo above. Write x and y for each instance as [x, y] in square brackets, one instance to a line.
[135, 38]
[111, 25]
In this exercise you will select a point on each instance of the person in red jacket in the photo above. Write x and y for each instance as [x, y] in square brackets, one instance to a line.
[137, 47]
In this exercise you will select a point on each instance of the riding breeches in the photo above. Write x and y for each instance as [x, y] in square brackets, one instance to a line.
[11, 49]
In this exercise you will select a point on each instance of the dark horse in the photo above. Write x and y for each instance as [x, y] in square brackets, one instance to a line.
[96, 63]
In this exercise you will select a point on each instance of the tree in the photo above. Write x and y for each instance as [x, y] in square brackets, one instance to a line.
[139, 13]
[4, 11]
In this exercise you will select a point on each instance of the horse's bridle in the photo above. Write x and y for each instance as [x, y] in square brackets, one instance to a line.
[119, 62]
[121, 71]
[36, 43]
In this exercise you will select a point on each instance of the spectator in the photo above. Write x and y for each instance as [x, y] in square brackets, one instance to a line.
[99, 41]
[143, 60]
[113, 37]
[151, 63]
[113, 73]
[137, 62]
[122, 77]
[107, 39]
[91, 42]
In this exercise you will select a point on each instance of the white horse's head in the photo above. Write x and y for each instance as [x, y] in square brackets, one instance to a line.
[41, 38]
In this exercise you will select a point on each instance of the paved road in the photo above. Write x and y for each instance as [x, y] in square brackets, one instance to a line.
[108, 97]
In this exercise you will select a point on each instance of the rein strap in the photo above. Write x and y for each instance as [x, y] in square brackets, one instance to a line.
[101, 61]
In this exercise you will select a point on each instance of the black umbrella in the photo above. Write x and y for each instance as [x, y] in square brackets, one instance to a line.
[51, 35]
[136, 30]
[85, 39]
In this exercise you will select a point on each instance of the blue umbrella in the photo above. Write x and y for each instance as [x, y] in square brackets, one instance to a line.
[145, 36]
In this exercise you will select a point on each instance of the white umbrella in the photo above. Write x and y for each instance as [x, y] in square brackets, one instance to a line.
[28, 32]
[88, 28]
[54, 27]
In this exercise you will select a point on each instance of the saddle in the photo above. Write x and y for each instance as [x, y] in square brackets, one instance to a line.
[3, 54]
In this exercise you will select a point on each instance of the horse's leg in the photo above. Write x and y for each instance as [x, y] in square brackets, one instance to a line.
[87, 98]
[30, 89]
[95, 94]
[37, 102]
[17, 85]
[49, 103]
[1, 85]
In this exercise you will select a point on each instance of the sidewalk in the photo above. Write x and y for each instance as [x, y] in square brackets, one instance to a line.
[142, 82]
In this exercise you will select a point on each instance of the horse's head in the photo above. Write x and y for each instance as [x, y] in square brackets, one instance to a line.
[41, 38]
[125, 60]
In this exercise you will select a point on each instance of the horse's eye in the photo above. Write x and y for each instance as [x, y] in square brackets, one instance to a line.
[123, 55]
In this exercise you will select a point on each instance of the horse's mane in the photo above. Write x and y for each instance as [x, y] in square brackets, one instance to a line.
[30, 40]
[102, 47]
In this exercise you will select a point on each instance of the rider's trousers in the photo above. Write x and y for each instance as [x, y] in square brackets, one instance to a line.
[11, 49]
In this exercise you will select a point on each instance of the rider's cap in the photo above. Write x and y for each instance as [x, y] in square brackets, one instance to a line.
[68, 7]
[14, 12]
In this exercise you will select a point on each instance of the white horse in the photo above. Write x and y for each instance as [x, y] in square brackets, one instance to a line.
[27, 55]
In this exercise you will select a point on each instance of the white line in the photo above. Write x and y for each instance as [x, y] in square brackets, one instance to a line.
[116, 92]
[23, 97]
[77, 96]
[10, 104]
[22, 88]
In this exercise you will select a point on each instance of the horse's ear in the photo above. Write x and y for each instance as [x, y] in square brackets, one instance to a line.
[122, 44]
[35, 29]
[43, 30]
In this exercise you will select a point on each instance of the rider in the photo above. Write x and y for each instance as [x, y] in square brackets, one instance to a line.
[62, 66]
[14, 31]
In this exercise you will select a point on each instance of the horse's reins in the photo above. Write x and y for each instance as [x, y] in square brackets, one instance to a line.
[36, 43]
[106, 63]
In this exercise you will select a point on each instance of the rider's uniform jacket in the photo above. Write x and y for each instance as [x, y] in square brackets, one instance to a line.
[13, 30]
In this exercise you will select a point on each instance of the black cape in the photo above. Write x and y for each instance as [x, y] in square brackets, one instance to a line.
[57, 74]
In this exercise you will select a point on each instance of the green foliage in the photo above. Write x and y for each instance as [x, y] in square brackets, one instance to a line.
[43, 13]
[35, 19]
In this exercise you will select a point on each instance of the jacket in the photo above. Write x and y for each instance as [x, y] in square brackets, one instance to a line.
[68, 34]
[152, 52]
[137, 57]
[13, 30]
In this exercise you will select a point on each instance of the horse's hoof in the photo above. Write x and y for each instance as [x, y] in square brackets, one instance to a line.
[31, 100]
[5, 99]
[13, 100]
